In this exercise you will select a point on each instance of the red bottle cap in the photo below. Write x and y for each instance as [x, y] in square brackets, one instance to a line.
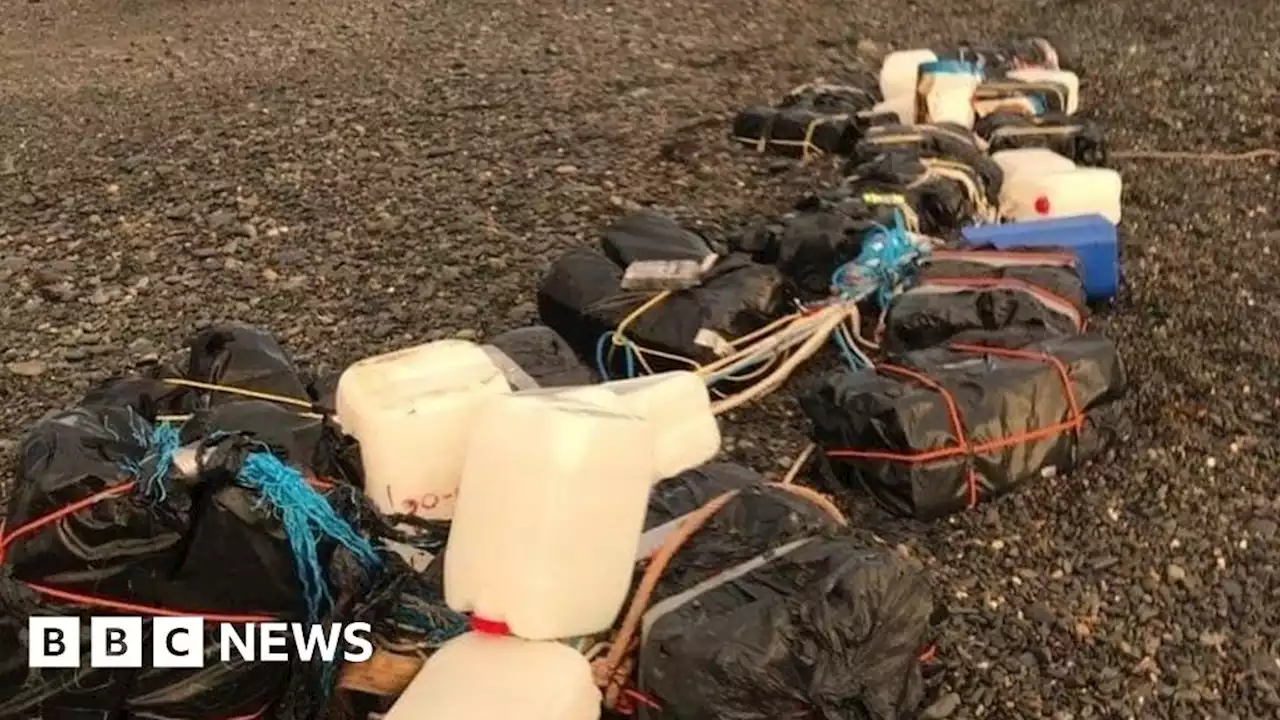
[1042, 205]
[489, 627]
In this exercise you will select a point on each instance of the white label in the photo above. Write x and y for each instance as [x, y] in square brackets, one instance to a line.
[713, 341]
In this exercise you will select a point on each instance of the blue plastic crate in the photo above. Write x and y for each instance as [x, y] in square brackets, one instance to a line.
[1092, 238]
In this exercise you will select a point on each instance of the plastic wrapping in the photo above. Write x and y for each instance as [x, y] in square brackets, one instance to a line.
[794, 619]
[98, 516]
[543, 357]
[957, 291]
[809, 243]
[795, 132]
[954, 144]
[649, 236]
[1076, 139]
[581, 299]
[812, 119]
[243, 356]
[933, 203]
[937, 431]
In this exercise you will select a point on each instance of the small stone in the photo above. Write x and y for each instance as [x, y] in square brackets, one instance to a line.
[221, 219]
[943, 708]
[1263, 528]
[1041, 613]
[467, 334]
[869, 49]
[58, 292]
[100, 297]
[28, 368]
[27, 199]
[567, 170]
[142, 346]
[1175, 573]
[270, 275]
[522, 312]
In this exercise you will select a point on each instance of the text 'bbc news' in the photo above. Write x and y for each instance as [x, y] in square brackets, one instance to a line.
[179, 642]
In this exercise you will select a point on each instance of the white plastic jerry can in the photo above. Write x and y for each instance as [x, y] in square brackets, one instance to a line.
[1082, 191]
[900, 72]
[412, 412]
[944, 92]
[549, 513]
[677, 407]
[487, 677]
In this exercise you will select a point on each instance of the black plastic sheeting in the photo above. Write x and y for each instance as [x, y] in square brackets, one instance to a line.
[958, 291]
[939, 205]
[1077, 139]
[207, 547]
[650, 236]
[941, 141]
[1015, 414]
[581, 298]
[809, 243]
[817, 117]
[826, 626]
[545, 357]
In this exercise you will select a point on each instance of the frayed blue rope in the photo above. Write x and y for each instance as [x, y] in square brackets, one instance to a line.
[151, 471]
[886, 258]
[306, 516]
[438, 625]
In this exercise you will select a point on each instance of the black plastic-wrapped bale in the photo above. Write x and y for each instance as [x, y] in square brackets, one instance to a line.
[650, 236]
[243, 356]
[582, 299]
[958, 291]
[1081, 141]
[943, 144]
[795, 132]
[98, 519]
[936, 431]
[809, 243]
[834, 99]
[543, 359]
[769, 611]
[932, 202]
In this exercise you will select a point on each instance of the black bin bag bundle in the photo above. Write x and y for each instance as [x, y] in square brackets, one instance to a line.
[824, 231]
[1074, 138]
[951, 144]
[935, 197]
[812, 119]
[771, 610]
[538, 357]
[1038, 290]
[933, 432]
[99, 522]
[581, 297]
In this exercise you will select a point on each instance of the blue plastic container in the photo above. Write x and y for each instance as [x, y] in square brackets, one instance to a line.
[1092, 238]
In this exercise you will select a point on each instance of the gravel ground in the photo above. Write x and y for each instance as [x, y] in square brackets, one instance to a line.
[359, 175]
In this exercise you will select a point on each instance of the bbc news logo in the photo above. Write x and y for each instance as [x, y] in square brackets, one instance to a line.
[179, 642]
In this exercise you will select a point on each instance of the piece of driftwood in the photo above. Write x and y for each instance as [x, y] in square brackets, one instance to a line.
[385, 674]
